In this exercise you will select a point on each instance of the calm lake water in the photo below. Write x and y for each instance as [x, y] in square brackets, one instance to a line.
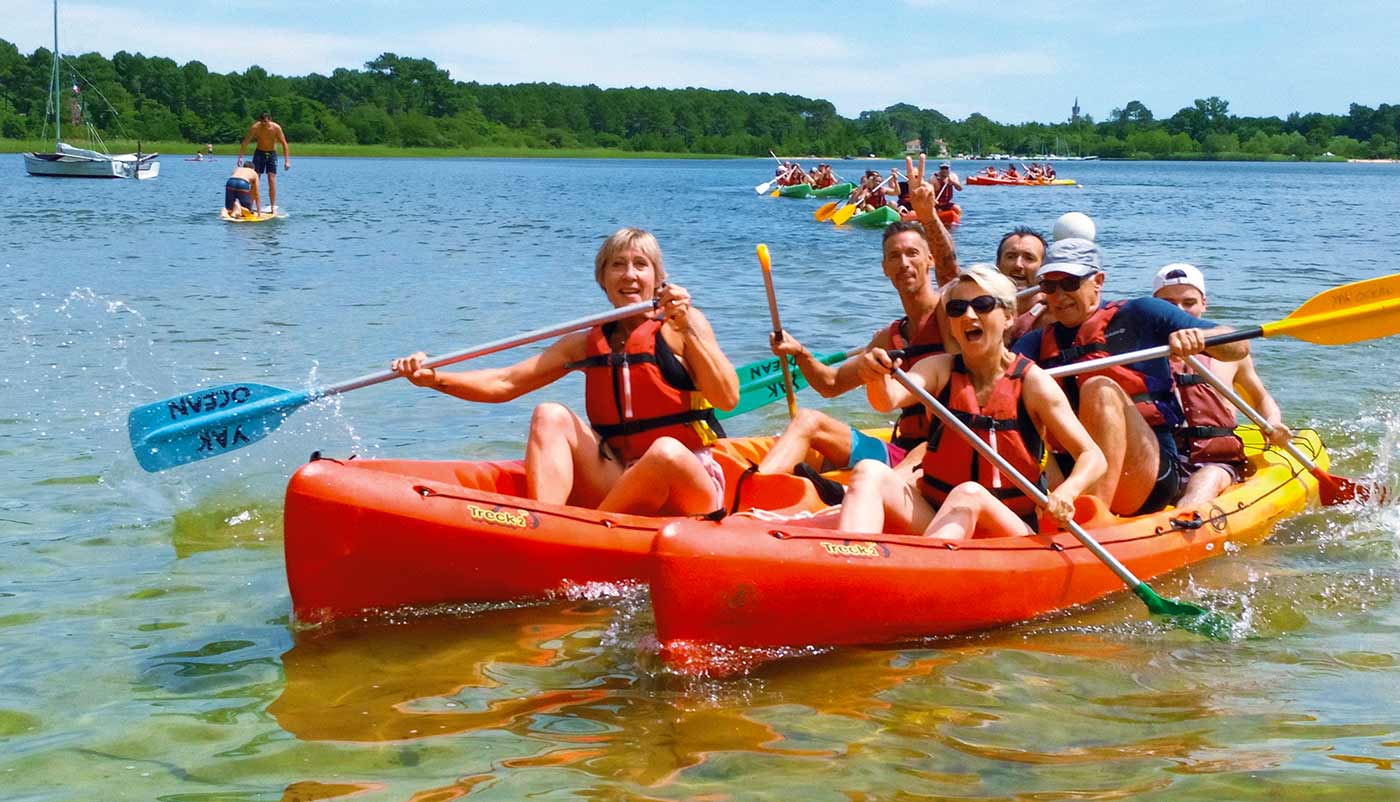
[144, 633]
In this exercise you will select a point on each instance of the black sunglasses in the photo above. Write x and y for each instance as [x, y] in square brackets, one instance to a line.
[982, 304]
[1068, 284]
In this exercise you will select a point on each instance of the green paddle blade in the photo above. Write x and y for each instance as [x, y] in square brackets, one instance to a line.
[187, 428]
[1190, 617]
[761, 382]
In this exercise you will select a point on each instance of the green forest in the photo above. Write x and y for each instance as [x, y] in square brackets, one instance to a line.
[412, 103]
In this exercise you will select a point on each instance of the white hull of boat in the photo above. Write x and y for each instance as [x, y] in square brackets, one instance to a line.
[70, 162]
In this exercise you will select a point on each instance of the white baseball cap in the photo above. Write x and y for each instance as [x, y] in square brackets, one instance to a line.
[1179, 273]
[1072, 225]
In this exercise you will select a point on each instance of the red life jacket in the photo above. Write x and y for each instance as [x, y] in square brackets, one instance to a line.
[1002, 422]
[944, 197]
[1027, 322]
[1090, 343]
[875, 198]
[912, 426]
[1208, 435]
[631, 403]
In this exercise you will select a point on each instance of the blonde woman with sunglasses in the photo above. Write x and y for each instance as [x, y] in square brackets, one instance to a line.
[1007, 401]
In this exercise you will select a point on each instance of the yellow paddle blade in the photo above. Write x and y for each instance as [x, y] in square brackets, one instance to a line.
[764, 260]
[1362, 310]
[843, 214]
[824, 211]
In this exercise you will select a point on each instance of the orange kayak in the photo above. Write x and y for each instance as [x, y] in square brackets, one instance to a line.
[731, 593]
[999, 181]
[375, 535]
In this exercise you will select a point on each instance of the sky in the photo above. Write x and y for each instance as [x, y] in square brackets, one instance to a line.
[1014, 61]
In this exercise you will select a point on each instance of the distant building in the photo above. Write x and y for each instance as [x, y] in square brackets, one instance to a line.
[916, 146]
[1074, 110]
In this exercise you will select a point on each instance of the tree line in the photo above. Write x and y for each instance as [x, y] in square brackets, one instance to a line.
[411, 102]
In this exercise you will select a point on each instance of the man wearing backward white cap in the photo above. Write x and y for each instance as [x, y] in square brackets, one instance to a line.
[1130, 410]
[1214, 454]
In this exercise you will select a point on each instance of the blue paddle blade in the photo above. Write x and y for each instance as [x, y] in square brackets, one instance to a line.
[192, 427]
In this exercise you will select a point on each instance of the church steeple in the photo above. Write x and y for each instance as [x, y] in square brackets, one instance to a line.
[1074, 111]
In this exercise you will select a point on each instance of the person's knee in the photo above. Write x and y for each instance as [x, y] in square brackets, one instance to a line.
[1208, 481]
[668, 452]
[869, 473]
[808, 422]
[552, 420]
[1102, 392]
[967, 494]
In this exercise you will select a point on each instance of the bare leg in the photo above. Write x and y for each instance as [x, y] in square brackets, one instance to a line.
[272, 190]
[1127, 441]
[562, 461]
[809, 430]
[667, 480]
[971, 508]
[1204, 485]
[879, 500]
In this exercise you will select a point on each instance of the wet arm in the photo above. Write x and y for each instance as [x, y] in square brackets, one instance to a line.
[1249, 385]
[711, 370]
[497, 385]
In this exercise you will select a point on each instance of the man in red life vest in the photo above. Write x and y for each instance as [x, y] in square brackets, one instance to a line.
[1130, 410]
[909, 256]
[1214, 454]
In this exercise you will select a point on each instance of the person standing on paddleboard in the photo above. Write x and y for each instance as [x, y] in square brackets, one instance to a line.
[267, 134]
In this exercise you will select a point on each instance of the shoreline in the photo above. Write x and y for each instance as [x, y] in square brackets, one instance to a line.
[186, 150]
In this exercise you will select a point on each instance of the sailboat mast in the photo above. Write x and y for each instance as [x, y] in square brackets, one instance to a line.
[57, 104]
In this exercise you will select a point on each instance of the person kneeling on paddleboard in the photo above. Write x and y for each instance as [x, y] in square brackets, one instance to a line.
[241, 193]
[1004, 398]
[651, 384]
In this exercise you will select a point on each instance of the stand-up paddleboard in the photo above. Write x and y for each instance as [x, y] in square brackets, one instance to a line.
[263, 217]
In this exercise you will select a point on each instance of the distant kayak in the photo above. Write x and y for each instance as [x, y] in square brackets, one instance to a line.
[875, 218]
[989, 181]
[796, 191]
[834, 191]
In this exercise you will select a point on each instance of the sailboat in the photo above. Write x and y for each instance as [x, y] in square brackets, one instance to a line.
[67, 161]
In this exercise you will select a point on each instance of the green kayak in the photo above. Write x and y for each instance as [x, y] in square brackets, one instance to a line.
[796, 191]
[834, 191]
[875, 218]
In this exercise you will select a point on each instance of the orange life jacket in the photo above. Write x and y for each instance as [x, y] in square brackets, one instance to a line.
[630, 402]
[1090, 343]
[1208, 435]
[912, 426]
[1002, 422]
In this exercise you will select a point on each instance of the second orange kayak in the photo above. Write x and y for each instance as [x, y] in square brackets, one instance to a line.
[731, 593]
